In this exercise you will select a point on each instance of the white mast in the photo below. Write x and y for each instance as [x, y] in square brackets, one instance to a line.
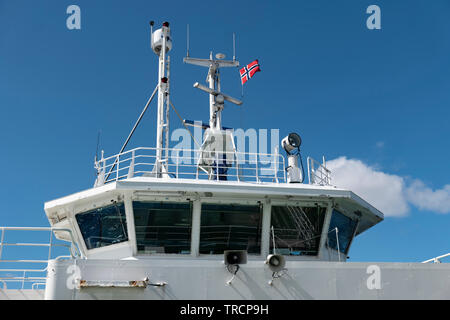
[161, 44]
[216, 97]
[218, 149]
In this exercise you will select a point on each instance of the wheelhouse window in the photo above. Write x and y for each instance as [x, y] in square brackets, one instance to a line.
[230, 227]
[103, 226]
[296, 230]
[345, 227]
[163, 227]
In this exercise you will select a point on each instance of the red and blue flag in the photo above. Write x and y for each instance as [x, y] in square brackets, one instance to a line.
[249, 71]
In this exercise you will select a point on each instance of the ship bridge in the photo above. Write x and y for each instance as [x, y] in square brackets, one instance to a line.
[187, 212]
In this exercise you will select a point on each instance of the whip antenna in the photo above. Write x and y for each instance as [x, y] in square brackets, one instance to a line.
[98, 143]
[187, 44]
[234, 46]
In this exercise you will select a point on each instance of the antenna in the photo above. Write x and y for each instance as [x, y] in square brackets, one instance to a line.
[151, 33]
[187, 45]
[234, 46]
[216, 97]
[96, 154]
[98, 142]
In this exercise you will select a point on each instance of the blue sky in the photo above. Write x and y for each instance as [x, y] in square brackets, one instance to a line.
[378, 96]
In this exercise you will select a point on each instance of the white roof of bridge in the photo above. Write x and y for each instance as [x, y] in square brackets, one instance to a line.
[343, 197]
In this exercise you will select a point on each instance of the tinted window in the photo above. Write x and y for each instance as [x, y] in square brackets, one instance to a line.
[103, 226]
[230, 227]
[346, 228]
[163, 227]
[297, 230]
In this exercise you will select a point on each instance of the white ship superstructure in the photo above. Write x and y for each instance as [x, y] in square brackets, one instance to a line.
[212, 222]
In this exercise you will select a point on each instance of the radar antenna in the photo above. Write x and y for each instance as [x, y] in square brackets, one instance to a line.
[216, 98]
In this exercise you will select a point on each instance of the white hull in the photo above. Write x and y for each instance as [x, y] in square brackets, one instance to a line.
[197, 279]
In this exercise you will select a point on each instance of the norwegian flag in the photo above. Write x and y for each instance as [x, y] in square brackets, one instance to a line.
[249, 71]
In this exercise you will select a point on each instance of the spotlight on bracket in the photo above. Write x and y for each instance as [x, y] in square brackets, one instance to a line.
[232, 259]
[291, 142]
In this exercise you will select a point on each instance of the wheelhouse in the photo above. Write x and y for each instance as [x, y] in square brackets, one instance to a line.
[145, 217]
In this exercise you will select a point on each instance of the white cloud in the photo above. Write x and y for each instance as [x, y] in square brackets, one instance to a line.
[384, 191]
[389, 193]
[426, 199]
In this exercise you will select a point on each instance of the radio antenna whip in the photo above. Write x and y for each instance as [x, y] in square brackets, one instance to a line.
[98, 143]
[187, 44]
[234, 46]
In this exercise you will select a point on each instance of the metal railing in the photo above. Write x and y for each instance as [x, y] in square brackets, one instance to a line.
[30, 273]
[185, 164]
[437, 259]
[318, 174]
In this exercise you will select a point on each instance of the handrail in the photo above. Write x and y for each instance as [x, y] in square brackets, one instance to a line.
[317, 173]
[73, 244]
[184, 163]
[437, 259]
[185, 150]
[25, 273]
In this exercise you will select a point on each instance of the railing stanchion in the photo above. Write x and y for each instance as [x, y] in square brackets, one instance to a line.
[23, 279]
[308, 169]
[131, 168]
[257, 169]
[236, 165]
[1, 242]
[217, 166]
[196, 160]
[276, 164]
[337, 241]
[117, 167]
[176, 165]
[50, 245]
